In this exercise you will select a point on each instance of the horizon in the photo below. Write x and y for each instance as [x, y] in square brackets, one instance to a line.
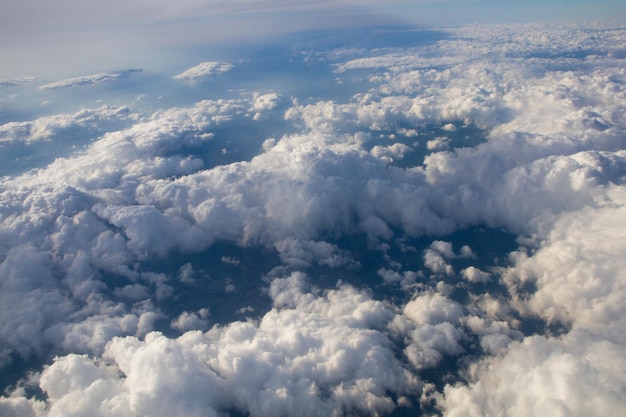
[54, 40]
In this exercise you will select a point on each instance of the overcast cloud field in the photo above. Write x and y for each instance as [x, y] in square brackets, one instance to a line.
[294, 209]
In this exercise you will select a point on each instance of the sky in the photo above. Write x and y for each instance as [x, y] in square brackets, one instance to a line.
[283, 208]
[43, 38]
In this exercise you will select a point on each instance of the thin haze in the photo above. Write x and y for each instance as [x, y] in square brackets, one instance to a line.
[70, 37]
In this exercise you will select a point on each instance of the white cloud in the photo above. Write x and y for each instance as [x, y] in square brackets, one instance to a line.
[434, 261]
[191, 321]
[449, 127]
[303, 186]
[439, 251]
[264, 103]
[205, 69]
[49, 128]
[438, 144]
[557, 377]
[390, 153]
[473, 274]
[134, 292]
[433, 309]
[495, 335]
[445, 249]
[549, 168]
[90, 79]
[53, 233]
[580, 283]
[430, 328]
[317, 353]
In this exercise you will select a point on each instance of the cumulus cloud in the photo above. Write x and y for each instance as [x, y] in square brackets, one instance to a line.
[580, 283]
[265, 102]
[306, 184]
[191, 321]
[311, 353]
[390, 153]
[82, 240]
[473, 274]
[405, 279]
[302, 254]
[31, 301]
[438, 144]
[434, 261]
[439, 252]
[430, 326]
[50, 128]
[59, 224]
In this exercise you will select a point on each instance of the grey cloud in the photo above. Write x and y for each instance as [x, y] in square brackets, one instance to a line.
[299, 254]
[405, 279]
[16, 82]
[31, 301]
[186, 274]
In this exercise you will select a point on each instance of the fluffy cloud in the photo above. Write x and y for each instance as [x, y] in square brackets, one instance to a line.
[473, 274]
[573, 376]
[299, 254]
[308, 354]
[532, 144]
[390, 153]
[50, 128]
[438, 252]
[52, 217]
[265, 102]
[581, 285]
[190, 321]
[405, 279]
[31, 301]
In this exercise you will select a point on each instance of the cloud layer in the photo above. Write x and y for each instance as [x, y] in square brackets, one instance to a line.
[485, 129]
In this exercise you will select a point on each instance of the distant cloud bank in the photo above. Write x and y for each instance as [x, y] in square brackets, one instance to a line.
[90, 79]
